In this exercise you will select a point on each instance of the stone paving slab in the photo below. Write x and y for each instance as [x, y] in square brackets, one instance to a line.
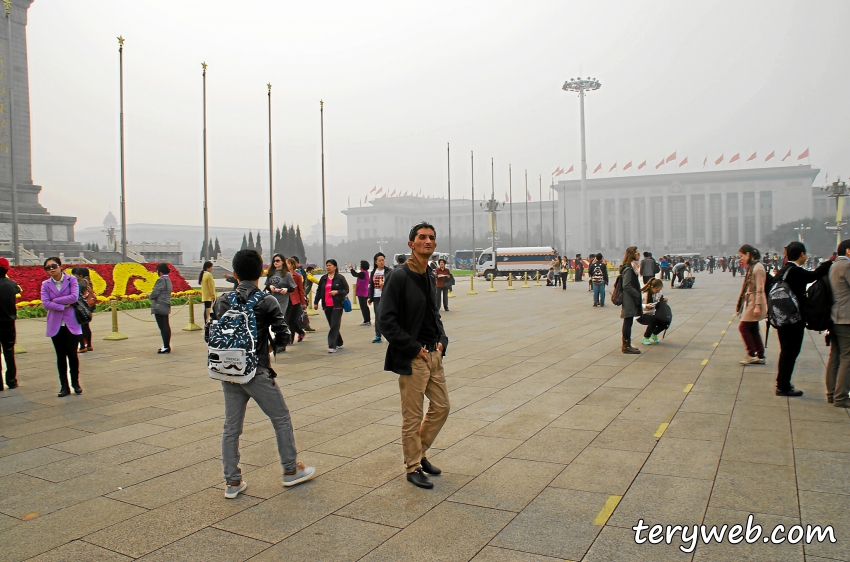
[556, 446]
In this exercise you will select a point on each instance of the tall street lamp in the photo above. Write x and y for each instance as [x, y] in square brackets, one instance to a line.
[492, 206]
[838, 190]
[121, 120]
[581, 85]
[449, 174]
[324, 220]
[800, 229]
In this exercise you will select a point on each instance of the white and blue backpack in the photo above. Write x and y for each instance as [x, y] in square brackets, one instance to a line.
[232, 341]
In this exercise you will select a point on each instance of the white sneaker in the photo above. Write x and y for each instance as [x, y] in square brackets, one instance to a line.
[231, 492]
[331, 350]
[750, 360]
[302, 474]
[761, 361]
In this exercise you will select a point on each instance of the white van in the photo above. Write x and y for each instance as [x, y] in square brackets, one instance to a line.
[529, 259]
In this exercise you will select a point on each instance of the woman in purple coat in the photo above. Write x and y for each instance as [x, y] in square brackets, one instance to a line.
[58, 294]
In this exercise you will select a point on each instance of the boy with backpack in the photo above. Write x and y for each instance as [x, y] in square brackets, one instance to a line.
[239, 357]
[791, 334]
[599, 277]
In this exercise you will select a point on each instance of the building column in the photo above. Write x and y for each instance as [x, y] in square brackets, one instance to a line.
[633, 224]
[689, 218]
[647, 208]
[666, 221]
[709, 233]
[603, 225]
[741, 240]
[757, 197]
[618, 224]
[724, 218]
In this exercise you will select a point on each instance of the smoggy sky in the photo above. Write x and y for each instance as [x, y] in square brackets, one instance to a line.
[399, 80]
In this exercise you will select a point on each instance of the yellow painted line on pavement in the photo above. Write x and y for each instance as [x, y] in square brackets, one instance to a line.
[723, 332]
[124, 359]
[688, 388]
[661, 429]
[729, 323]
[29, 516]
[715, 344]
[704, 362]
[607, 510]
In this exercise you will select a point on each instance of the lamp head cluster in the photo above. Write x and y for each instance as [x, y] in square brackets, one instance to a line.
[581, 84]
[837, 188]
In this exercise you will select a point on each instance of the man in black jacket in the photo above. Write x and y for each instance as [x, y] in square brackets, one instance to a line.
[410, 320]
[8, 315]
[791, 337]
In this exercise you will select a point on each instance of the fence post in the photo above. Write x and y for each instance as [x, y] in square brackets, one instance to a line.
[191, 326]
[310, 311]
[510, 282]
[472, 290]
[492, 289]
[115, 335]
[537, 280]
[525, 284]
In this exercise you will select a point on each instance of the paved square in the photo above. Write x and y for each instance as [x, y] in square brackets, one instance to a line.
[556, 446]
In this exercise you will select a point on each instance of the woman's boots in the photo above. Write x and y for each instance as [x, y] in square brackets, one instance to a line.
[627, 347]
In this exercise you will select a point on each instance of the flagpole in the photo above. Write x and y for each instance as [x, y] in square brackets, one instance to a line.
[121, 125]
[511, 199]
[324, 219]
[16, 250]
[271, 191]
[206, 207]
[527, 228]
[540, 197]
[493, 212]
[552, 197]
[449, 173]
[472, 177]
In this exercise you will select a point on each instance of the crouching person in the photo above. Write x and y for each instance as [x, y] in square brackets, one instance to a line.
[240, 327]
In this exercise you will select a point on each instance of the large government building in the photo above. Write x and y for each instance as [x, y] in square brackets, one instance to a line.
[701, 212]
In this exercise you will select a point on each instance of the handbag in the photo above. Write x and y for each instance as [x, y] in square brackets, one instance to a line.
[663, 312]
[82, 311]
[346, 305]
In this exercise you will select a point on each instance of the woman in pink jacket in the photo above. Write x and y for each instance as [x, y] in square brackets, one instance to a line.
[58, 294]
[752, 305]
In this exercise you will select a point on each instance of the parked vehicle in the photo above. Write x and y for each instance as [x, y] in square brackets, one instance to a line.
[515, 260]
[465, 259]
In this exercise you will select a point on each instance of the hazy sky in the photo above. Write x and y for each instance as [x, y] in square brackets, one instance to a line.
[399, 80]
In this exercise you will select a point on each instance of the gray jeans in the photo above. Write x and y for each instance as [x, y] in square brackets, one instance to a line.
[838, 365]
[267, 395]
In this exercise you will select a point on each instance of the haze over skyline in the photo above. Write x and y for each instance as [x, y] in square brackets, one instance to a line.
[398, 82]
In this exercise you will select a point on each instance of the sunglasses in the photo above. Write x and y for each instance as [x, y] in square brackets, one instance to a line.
[50, 267]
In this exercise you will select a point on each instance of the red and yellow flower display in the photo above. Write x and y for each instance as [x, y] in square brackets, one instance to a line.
[121, 281]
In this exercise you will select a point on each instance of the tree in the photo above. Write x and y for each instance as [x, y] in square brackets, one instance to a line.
[818, 240]
[244, 243]
[299, 244]
[251, 241]
[259, 246]
[203, 250]
[284, 241]
[211, 250]
[276, 247]
[216, 248]
[293, 248]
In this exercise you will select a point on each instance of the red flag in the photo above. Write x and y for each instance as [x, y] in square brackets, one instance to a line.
[373, 189]
[771, 155]
[718, 161]
[570, 170]
[659, 164]
[642, 164]
[556, 171]
[597, 168]
[379, 191]
[787, 155]
[683, 162]
[612, 167]
[393, 193]
[752, 157]
[527, 194]
[627, 166]
[805, 154]
[365, 198]
[736, 157]
[384, 196]
[506, 197]
[671, 157]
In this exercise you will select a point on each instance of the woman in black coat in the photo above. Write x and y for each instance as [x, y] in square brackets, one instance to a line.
[631, 297]
[331, 291]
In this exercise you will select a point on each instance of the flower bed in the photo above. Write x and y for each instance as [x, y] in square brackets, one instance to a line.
[128, 283]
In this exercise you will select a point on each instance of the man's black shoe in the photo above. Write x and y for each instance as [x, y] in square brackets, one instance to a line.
[63, 393]
[11, 385]
[429, 468]
[418, 478]
[78, 390]
[790, 392]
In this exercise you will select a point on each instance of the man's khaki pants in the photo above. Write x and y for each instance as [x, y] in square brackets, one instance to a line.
[417, 434]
